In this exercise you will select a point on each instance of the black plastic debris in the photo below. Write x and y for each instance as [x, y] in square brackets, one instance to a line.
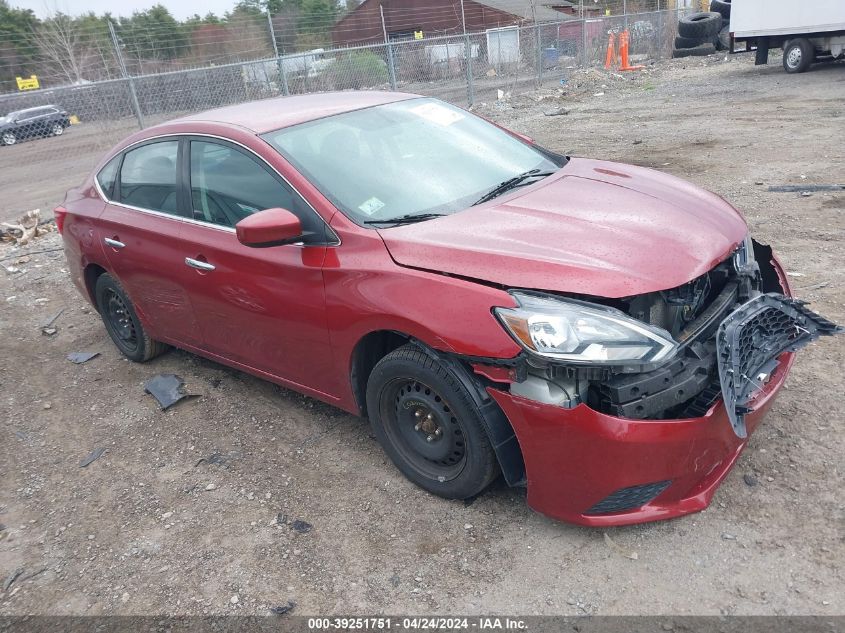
[808, 187]
[12, 578]
[282, 609]
[303, 527]
[93, 456]
[167, 389]
[218, 459]
[750, 480]
[81, 357]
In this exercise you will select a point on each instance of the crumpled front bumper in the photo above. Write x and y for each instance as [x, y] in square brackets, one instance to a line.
[577, 458]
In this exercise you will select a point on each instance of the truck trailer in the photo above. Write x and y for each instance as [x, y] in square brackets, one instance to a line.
[806, 30]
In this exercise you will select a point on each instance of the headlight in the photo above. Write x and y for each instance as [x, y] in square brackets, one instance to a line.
[580, 332]
[744, 255]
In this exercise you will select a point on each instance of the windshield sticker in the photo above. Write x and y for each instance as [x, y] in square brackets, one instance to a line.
[437, 113]
[371, 206]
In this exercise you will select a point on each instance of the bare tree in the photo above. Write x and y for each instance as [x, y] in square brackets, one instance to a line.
[75, 51]
[59, 42]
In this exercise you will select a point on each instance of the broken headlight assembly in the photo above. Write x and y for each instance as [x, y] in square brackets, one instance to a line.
[579, 332]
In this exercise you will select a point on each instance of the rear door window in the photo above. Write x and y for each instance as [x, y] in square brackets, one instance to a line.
[148, 177]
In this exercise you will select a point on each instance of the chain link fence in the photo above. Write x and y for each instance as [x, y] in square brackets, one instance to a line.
[461, 68]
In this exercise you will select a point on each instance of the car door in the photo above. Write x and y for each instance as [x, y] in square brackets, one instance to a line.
[260, 307]
[140, 231]
[25, 124]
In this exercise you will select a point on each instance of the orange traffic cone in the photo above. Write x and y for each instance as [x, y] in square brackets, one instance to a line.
[623, 51]
[610, 59]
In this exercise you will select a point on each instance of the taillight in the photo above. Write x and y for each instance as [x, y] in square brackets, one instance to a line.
[60, 213]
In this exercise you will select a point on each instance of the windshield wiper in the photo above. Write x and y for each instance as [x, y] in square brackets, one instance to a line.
[512, 183]
[407, 219]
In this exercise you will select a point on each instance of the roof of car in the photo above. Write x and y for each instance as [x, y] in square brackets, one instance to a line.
[272, 114]
[33, 108]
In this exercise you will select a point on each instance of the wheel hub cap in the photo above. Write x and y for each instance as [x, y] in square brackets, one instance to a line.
[427, 426]
[120, 319]
[794, 58]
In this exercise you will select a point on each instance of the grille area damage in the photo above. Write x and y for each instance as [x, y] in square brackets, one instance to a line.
[731, 324]
[750, 341]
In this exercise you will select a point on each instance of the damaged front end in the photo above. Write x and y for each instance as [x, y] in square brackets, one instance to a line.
[616, 403]
[664, 355]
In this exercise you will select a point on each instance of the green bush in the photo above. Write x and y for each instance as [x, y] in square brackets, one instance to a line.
[359, 69]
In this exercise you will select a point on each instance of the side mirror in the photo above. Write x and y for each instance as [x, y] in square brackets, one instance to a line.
[271, 227]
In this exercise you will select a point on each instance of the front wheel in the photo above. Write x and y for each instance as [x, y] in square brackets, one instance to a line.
[58, 129]
[429, 426]
[122, 323]
[798, 55]
[8, 138]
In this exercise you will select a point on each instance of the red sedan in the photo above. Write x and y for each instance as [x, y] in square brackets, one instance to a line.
[605, 335]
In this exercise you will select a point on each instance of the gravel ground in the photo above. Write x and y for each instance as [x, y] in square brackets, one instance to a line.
[194, 510]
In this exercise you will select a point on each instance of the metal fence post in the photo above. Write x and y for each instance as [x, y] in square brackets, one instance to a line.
[135, 105]
[539, 55]
[279, 61]
[660, 38]
[583, 35]
[468, 55]
[391, 68]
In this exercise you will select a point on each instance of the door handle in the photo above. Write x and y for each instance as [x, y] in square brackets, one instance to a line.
[195, 263]
[113, 243]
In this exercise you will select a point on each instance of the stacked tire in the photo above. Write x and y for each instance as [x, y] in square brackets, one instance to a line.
[704, 33]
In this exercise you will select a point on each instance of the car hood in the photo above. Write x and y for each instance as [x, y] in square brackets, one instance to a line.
[594, 228]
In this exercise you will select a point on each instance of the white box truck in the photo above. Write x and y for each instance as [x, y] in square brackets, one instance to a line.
[806, 30]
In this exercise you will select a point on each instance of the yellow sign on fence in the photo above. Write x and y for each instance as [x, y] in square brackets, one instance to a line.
[27, 84]
[418, 35]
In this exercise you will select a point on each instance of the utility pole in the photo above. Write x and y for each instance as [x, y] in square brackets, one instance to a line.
[279, 61]
[132, 94]
[468, 54]
[390, 66]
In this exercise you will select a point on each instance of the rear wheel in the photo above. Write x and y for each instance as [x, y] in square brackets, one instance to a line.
[798, 55]
[429, 426]
[8, 138]
[122, 323]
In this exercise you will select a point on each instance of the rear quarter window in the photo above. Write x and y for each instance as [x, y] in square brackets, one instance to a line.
[107, 176]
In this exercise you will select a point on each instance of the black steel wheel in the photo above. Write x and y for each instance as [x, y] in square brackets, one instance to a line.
[122, 323]
[429, 425]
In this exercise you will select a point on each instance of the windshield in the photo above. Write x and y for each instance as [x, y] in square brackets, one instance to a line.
[419, 156]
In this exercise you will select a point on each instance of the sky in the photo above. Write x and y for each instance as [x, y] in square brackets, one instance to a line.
[180, 9]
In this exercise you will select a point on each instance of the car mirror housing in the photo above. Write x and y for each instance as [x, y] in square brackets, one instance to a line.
[271, 227]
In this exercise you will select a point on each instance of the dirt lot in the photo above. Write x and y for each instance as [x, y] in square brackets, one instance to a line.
[148, 528]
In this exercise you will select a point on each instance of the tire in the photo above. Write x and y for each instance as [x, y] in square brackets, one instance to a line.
[701, 26]
[723, 7]
[698, 51]
[798, 55]
[8, 138]
[57, 129]
[452, 456]
[122, 323]
[687, 42]
[723, 39]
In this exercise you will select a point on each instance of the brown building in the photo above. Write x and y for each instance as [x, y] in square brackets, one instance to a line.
[403, 18]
